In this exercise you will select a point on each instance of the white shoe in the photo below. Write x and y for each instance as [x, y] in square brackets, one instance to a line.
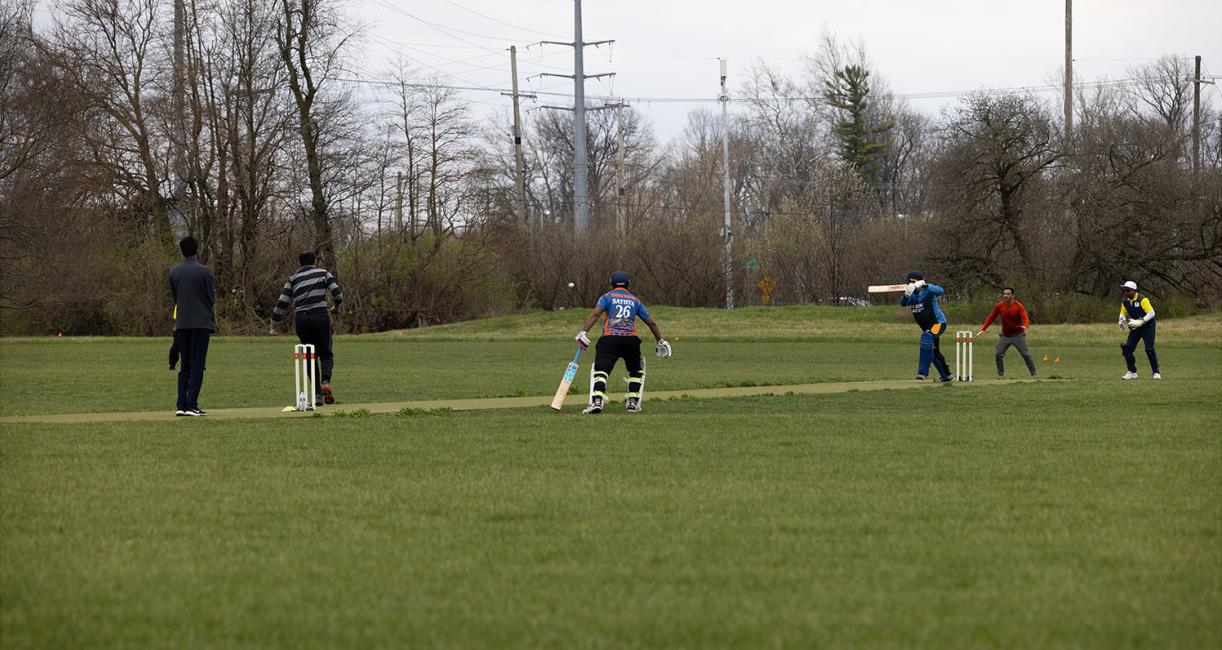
[633, 404]
[1129, 375]
[1158, 375]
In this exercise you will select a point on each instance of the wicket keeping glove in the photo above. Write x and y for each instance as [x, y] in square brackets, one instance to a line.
[1123, 321]
[583, 340]
[1136, 323]
[663, 349]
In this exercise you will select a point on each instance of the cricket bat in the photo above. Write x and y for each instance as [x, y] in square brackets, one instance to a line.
[569, 373]
[886, 288]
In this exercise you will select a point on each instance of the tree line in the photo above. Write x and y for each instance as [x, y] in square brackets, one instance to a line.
[124, 127]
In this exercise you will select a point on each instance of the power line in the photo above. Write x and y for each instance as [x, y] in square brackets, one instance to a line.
[740, 100]
[497, 20]
[426, 65]
[447, 61]
[448, 31]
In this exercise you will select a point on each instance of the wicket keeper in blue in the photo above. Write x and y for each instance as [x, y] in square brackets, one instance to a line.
[619, 341]
[1137, 316]
[923, 299]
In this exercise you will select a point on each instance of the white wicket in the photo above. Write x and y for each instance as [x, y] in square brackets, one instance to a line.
[304, 366]
[963, 355]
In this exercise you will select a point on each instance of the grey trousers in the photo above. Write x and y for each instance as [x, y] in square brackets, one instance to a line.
[1020, 343]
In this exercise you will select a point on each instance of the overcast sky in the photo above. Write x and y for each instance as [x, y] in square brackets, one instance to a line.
[669, 48]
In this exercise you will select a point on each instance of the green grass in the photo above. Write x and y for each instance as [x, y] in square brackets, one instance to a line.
[1083, 512]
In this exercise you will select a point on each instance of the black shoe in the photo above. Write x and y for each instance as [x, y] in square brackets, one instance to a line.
[195, 413]
[595, 407]
[179, 413]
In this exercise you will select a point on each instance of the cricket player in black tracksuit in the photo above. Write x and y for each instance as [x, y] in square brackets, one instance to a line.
[307, 290]
[194, 291]
[619, 341]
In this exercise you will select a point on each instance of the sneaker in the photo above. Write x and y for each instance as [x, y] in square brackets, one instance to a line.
[633, 405]
[327, 396]
[1158, 375]
[195, 413]
[179, 413]
[595, 407]
[920, 377]
[1129, 375]
[943, 380]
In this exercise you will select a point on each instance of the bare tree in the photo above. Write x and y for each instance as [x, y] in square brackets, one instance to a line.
[788, 143]
[995, 154]
[447, 156]
[312, 42]
[37, 147]
[1138, 211]
[813, 245]
[109, 49]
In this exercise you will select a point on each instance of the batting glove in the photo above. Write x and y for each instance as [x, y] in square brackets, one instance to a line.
[919, 284]
[583, 340]
[663, 349]
[909, 288]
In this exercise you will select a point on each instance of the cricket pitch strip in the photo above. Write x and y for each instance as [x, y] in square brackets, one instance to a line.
[574, 401]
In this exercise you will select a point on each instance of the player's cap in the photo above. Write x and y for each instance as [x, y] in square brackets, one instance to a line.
[916, 275]
[1130, 285]
[620, 279]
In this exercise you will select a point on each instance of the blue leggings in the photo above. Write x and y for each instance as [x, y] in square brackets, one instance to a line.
[931, 351]
[1144, 333]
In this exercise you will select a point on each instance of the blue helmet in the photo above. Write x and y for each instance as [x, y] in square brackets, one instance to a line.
[620, 279]
[915, 275]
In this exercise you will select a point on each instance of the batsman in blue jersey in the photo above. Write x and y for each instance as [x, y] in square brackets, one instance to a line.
[923, 299]
[619, 341]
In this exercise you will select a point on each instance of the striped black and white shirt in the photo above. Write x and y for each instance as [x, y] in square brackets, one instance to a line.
[307, 290]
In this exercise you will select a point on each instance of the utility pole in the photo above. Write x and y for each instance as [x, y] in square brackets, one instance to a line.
[581, 184]
[520, 199]
[1068, 76]
[399, 204]
[620, 222]
[727, 262]
[1196, 121]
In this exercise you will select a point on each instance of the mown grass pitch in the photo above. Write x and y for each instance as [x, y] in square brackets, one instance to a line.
[1078, 511]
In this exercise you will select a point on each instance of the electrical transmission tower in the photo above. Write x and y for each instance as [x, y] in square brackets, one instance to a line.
[581, 189]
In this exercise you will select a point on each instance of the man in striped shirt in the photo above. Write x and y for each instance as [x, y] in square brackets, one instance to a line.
[307, 290]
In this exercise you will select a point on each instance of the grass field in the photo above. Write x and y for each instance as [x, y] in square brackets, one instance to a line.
[1077, 511]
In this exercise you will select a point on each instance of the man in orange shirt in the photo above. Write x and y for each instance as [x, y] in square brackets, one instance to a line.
[1014, 324]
